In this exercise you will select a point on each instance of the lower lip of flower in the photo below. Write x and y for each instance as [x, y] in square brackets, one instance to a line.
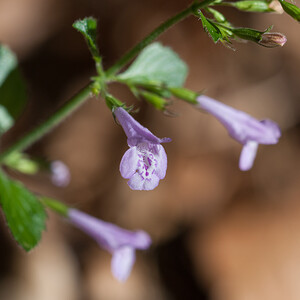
[147, 162]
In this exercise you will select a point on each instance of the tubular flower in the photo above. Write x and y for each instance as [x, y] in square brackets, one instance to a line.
[121, 243]
[242, 127]
[145, 163]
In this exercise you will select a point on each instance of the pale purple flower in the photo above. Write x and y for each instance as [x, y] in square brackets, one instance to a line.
[145, 163]
[60, 174]
[242, 127]
[121, 243]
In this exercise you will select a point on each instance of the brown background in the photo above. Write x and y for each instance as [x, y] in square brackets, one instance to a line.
[218, 233]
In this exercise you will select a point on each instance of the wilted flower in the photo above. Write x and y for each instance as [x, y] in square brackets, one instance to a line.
[145, 163]
[60, 173]
[242, 127]
[121, 243]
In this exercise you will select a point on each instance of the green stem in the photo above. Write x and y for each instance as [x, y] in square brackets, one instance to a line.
[51, 122]
[79, 98]
[55, 205]
[153, 35]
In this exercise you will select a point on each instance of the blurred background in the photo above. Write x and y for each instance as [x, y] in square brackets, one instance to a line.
[218, 233]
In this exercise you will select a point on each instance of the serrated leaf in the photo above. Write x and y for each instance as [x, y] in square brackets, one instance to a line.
[88, 28]
[210, 28]
[157, 64]
[25, 215]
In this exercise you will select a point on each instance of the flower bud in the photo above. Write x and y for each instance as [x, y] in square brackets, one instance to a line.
[272, 39]
[154, 99]
[184, 94]
[252, 6]
[291, 9]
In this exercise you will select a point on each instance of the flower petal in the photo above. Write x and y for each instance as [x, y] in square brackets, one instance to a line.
[134, 130]
[273, 129]
[248, 155]
[122, 262]
[139, 183]
[151, 183]
[136, 182]
[162, 160]
[129, 162]
[140, 240]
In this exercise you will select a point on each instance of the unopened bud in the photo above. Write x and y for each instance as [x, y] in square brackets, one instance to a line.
[154, 99]
[272, 39]
[184, 94]
[251, 6]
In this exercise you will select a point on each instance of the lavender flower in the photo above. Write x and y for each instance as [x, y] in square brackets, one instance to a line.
[60, 173]
[121, 243]
[242, 127]
[145, 163]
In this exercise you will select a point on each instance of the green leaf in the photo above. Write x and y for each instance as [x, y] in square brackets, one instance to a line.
[88, 28]
[210, 28]
[217, 15]
[13, 94]
[291, 9]
[158, 65]
[6, 121]
[8, 62]
[24, 214]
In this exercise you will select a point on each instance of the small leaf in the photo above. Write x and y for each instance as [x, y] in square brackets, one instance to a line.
[210, 28]
[24, 214]
[12, 87]
[6, 121]
[217, 15]
[8, 62]
[156, 64]
[88, 28]
[13, 94]
[291, 9]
